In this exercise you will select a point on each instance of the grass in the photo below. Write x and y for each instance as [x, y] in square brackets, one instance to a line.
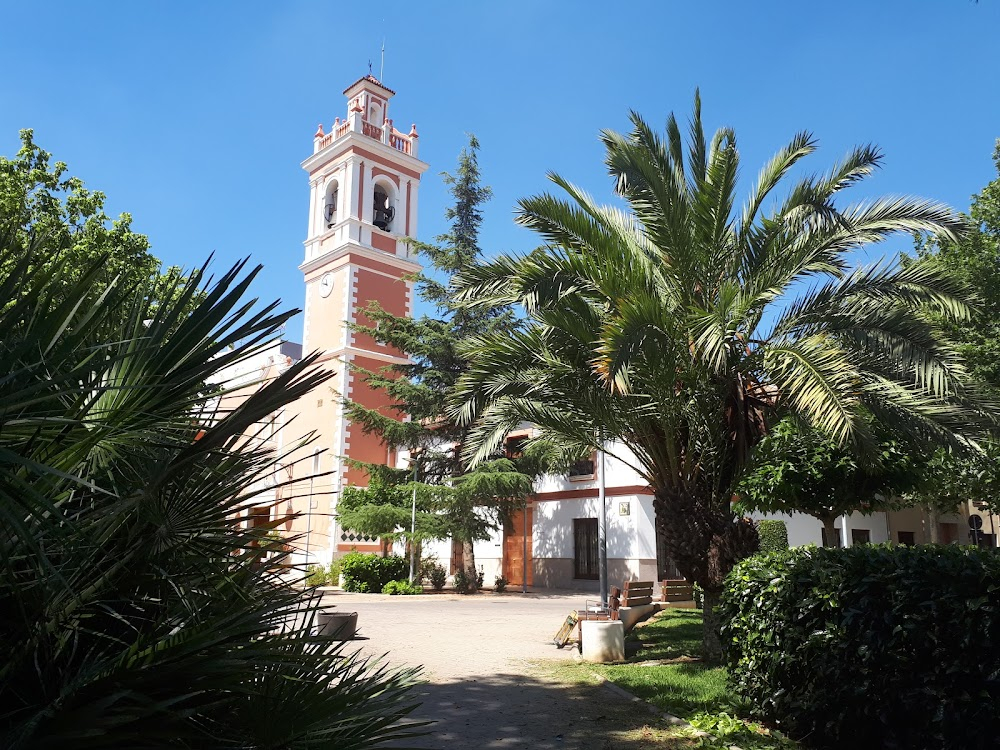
[687, 687]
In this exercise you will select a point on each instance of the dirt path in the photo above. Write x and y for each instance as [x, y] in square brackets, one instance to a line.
[493, 673]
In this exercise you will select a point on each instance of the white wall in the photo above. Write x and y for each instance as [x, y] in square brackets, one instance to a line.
[804, 529]
[619, 474]
[630, 536]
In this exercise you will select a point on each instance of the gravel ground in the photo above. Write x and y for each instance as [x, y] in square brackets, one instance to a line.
[489, 662]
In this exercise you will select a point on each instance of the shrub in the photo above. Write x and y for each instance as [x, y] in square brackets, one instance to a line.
[500, 584]
[394, 588]
[462, 583]
[315, 575]
[438, 577]
[872, 646]
[773, 535]
[333, 574]
[370, 573]
[480, 575]
[426, 567]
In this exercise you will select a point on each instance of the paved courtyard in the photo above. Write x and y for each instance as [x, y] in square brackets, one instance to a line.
[485, 659]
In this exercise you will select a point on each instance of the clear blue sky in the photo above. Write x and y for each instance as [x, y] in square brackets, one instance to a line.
[194, 117]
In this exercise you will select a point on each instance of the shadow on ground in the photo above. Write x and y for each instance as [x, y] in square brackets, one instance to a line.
[521, 711]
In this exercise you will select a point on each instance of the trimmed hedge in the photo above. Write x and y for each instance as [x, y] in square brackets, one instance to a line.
[870, 646]
[773, 535]
[370, 573]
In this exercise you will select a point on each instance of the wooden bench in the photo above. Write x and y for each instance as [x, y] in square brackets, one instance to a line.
[676, 590]
[636, 593]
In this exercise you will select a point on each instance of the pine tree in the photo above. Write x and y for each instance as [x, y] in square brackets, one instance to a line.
[451, 500]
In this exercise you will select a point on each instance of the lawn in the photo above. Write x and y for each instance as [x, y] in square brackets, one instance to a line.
[664, 669]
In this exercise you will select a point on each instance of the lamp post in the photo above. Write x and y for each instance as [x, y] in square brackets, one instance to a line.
[524, 548]
[413, 520]
[602, 528]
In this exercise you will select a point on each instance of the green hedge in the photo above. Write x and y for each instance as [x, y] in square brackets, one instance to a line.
[773, 535]
[871, 646]
[370, 573]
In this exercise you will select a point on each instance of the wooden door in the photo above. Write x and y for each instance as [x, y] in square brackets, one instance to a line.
[585, 553]
[514, 547]
[457, 561]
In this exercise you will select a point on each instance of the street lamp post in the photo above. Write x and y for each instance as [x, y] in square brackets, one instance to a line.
[413, 520]
[524, 548]
[602, 529]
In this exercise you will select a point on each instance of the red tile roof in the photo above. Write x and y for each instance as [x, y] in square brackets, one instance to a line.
[371, 79]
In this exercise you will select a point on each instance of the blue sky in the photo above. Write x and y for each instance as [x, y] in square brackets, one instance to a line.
[194, 117]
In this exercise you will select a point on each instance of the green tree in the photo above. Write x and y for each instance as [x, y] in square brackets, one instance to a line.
[804, 471]
[44, 208]
[974, 257]
[139, 612]
[951, 477]
[452, 501]
[684, 327]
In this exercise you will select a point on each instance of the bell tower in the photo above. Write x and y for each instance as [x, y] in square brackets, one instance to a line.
[364, 178]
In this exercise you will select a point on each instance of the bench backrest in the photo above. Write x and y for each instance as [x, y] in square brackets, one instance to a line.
[637, 593]
[676, 590]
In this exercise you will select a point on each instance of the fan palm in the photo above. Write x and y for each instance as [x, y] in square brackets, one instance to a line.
[138, 611]
[682, 327]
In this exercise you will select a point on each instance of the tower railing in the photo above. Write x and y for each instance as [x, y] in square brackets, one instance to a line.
[387, 134]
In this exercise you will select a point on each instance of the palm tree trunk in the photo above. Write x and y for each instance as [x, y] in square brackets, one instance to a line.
[705, 540]
[711, 645]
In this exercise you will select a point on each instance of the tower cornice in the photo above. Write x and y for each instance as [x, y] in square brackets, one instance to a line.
[353, 248]
[358, 141]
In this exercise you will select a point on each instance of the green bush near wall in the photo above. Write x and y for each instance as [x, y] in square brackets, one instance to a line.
[773, 535]
[370, 573]
[871, 646]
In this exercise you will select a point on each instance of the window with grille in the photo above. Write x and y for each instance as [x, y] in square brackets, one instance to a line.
[582, 468]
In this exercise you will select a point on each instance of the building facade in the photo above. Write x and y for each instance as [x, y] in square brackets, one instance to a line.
[364, 179]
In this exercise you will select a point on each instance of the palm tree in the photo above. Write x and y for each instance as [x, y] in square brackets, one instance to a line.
[684, 327]
[138, 610]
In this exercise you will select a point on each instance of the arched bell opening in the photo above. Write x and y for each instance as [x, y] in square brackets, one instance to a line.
[383, 204]
[331, 204]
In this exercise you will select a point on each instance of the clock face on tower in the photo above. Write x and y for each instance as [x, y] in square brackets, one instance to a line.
[326, 285]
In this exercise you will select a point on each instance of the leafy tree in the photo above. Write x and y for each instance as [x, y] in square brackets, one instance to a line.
[685, 327]
[452, 501]
[138, 610]
[951, 477]
[974, 257]
[72, 236]
[802, 470]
